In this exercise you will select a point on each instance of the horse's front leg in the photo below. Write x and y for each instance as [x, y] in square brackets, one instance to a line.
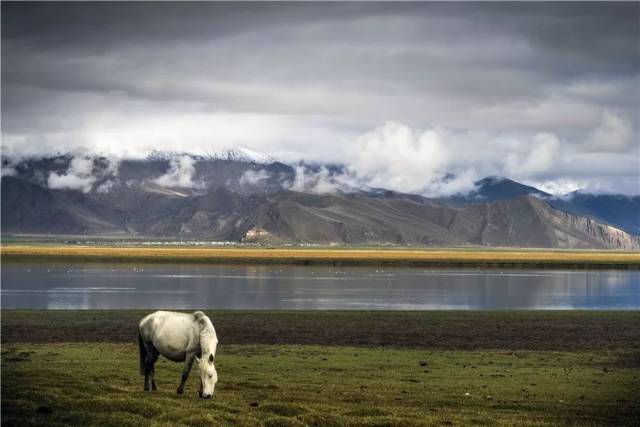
[185, 372]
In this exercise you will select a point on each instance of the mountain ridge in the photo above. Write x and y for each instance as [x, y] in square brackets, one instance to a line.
[289, 216]
[620, 211]
[234, 200]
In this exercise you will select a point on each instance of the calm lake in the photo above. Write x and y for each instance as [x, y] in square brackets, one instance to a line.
[181, 286]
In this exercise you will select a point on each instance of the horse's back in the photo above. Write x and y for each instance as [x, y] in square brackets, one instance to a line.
[171, 333]
[151, 322]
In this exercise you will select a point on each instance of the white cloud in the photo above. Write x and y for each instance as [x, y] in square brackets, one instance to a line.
[70, 182]
[539, 159]
[180, 174]
[78, 176]
[131, 132]
[559, 187]
[298, 181]
[396, 157]
[461, 183]
[323, 181]
[460, 67]
[614, 133]
[81, 166]
[113, 166]
[252, 177]
[393, 156]
[105, 187]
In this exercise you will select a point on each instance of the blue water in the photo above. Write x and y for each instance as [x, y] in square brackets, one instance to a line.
[180, 286]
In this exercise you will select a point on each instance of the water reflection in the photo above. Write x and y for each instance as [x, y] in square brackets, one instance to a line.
[87, 286]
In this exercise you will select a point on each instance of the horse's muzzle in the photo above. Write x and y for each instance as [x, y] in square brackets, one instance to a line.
[205, 396]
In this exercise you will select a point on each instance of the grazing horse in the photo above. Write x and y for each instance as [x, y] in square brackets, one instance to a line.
[180, 337]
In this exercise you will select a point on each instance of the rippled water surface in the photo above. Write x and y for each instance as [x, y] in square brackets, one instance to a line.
[151, 286]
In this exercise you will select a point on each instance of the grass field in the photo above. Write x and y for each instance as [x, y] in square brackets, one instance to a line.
[291, 385]
[445, 257]
[81, 368]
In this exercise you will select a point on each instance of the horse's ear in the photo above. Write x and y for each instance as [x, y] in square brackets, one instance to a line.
[211, 358]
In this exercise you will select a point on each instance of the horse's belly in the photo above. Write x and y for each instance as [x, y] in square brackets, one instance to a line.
[175, 353]
[176, 357]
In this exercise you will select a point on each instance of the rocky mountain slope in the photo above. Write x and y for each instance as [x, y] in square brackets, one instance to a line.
[617, 210]
[231, 199]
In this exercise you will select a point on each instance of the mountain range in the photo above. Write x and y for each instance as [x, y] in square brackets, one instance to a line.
[244, 197]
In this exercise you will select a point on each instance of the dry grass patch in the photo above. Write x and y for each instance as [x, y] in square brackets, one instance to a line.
[466, 257]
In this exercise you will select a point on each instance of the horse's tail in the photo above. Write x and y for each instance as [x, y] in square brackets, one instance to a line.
[143, 353]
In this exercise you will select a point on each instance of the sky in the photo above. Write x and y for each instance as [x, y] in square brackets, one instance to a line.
[415, 97]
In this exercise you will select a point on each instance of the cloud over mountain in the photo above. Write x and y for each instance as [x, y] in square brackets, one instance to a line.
[79, 176]
[460, 88]
[180, 174]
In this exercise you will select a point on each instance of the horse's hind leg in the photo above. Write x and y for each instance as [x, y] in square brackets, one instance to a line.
[150, 371]
[153, 373]
[146, 378]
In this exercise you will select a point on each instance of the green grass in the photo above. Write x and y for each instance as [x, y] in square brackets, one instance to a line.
[99, 384]
[329, 368]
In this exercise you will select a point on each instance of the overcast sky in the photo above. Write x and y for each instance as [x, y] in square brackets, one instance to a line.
[545, 93]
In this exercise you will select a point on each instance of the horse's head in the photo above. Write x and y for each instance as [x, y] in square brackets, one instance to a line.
[208, 375]
[208, 344]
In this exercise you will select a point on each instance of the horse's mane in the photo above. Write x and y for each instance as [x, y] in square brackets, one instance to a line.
[208, 337]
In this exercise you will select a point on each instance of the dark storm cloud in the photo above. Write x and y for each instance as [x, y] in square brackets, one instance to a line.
[99, 25]
[320, 80]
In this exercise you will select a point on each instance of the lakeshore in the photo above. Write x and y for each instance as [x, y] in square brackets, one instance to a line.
[445, 330]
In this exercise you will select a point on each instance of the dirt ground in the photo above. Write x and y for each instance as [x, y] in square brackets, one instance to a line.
[445, 330]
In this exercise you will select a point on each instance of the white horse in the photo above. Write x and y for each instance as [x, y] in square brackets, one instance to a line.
[180, 337]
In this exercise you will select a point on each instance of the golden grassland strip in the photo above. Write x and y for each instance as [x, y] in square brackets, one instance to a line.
[441, 257]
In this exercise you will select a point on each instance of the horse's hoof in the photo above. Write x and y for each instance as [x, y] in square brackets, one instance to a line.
[180, 391]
